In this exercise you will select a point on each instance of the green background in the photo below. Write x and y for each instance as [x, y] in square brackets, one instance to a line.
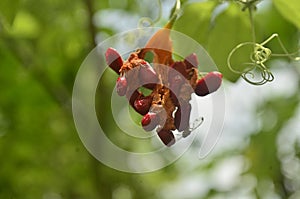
[42, 45]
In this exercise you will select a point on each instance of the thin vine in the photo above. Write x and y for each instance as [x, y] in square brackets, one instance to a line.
[150, 22]
[175, 13]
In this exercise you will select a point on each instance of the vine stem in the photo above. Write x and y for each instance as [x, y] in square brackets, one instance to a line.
[175, 14]
[252, 24]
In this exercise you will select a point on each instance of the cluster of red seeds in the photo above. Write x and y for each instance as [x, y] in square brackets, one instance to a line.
[167, 108]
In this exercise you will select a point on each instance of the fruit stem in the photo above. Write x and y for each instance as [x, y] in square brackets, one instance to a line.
[174, 15]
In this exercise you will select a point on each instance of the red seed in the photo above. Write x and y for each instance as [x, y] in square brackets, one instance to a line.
[149, 121]
[182, 116]
[167, 137]
[208, 84]
[180, 67]
[132, 96]
[142, 104]
[191, 61]
[121, 86]
[113, 59]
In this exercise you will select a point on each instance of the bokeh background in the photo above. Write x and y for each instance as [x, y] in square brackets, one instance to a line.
[42, 45]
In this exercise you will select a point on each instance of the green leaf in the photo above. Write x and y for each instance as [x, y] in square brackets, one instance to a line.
[195, 21]
[289, 9]
[8, 10]
[230, 28]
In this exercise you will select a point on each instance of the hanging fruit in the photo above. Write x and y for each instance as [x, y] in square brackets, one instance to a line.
[168, 106]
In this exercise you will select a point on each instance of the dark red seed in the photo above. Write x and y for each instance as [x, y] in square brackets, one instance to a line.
[167, 137]
[182, 116]
[113, 59]
[142, 105]
[147, 75]
[132, 96]
[149, 121]
[208, 84]
[191, 61]
[121, 86]
[180, 67]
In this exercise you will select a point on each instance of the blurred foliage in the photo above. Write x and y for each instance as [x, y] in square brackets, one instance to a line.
[266, 165]
[43, 43]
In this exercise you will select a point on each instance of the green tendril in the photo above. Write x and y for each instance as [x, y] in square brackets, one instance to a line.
[147, 21]
[259, 56]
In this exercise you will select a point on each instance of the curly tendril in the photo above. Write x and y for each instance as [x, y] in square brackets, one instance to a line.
[258, 57]
[148, 22]
[261, 54]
